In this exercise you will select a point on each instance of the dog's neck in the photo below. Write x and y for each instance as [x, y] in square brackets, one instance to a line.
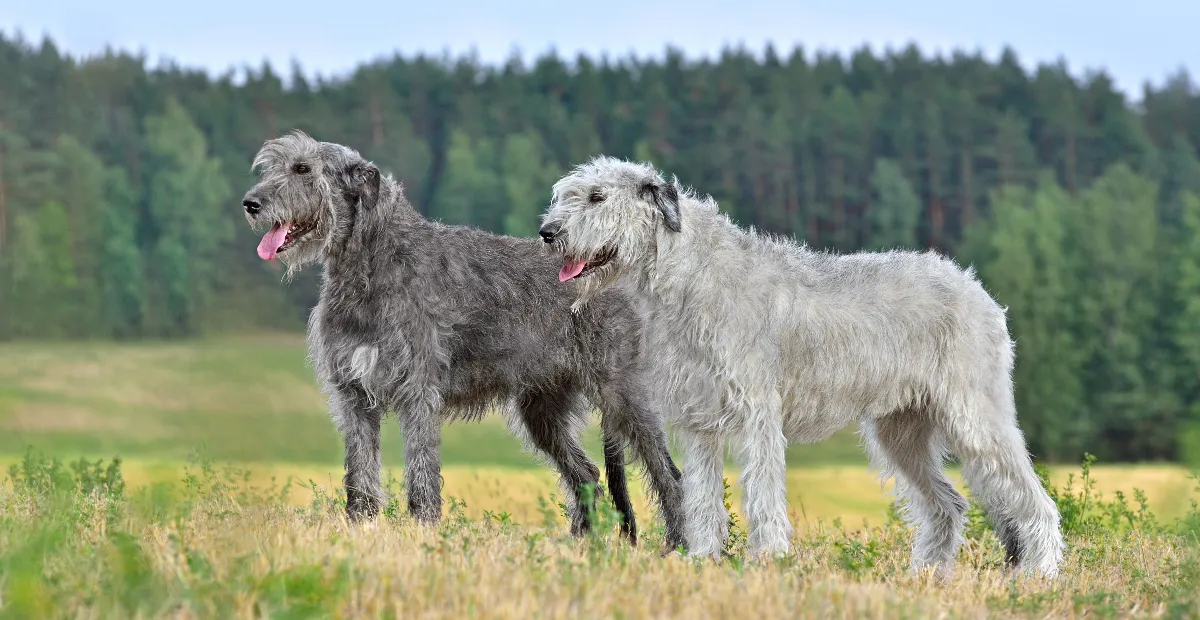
[679, 260]
[691, 259]
[378, 235]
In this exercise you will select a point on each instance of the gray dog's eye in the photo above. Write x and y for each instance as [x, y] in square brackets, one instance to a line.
[301, 169]
[595, 197]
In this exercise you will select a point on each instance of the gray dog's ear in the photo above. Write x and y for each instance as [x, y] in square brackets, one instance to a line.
[666, 198]
[365, 176]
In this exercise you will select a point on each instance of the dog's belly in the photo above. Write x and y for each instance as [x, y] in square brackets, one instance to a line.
[818, 398]
[814, 412]
[707, 403]
[805, 426]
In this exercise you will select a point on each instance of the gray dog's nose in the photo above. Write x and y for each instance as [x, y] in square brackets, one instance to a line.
[252, 206]
[548, 232]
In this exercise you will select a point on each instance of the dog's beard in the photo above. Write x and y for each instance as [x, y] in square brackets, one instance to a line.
[312, 250]
[591, 285]
[587, 288]
[315, 247]
[296, 263]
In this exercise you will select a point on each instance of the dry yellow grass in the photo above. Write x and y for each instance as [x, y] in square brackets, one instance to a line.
[513, 573]
[213, 546]
[227, 558]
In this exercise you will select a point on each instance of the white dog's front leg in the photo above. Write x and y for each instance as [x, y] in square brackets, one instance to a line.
[764, 477]
[707, 524]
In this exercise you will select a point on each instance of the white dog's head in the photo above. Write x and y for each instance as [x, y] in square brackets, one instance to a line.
[604, 218]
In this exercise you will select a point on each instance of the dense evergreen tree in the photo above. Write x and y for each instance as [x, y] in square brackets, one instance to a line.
[1025, 267]
[527, 180]
[183, 224]
[891, 221]
[119, 189]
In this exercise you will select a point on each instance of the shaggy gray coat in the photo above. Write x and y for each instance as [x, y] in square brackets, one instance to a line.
[438, 322]
[764, 342]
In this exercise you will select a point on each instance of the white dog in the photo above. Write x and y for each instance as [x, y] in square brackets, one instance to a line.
[766, 342]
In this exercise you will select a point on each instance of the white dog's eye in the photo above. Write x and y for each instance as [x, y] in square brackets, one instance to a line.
[595, 197]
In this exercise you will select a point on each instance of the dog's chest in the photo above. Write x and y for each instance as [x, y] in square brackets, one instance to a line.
[344, 338]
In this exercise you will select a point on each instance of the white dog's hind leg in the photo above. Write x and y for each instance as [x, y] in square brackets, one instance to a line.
[998, 470]
[763, 453]
[905, 444]
[707, 524]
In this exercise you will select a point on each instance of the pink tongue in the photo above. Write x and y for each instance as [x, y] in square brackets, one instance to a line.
[272, 241]
[570, 269]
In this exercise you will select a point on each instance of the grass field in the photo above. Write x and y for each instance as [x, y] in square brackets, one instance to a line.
[230, 542]
[246, 399]
[252, 400]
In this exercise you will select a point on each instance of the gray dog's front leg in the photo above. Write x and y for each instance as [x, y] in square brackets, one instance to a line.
[422, 431]
[359, 425]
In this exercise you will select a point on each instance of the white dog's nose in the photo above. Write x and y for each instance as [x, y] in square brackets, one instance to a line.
[548, 232]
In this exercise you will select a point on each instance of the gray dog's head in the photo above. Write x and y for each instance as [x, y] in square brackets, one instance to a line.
[605, 216]
[309, 195]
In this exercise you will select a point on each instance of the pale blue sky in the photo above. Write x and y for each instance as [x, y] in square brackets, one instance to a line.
[1134, 41]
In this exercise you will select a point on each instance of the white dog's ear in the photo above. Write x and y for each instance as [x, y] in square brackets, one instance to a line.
[666, 197]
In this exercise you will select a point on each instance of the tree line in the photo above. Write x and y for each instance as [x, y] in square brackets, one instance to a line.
[120, 217]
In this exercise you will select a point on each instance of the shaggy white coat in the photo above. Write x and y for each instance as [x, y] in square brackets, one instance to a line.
[765, 342]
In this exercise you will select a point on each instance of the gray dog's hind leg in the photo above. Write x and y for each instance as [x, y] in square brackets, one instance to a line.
[546, 419]
[422, 429]
[665, 477]
[649, 442]
[359, 425]
[618, 484]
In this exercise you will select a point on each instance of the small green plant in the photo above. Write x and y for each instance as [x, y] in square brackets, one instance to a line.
[978, 524]
[456, 515]
[502, 520]
[856, 557]
[736, 542]
[605, 522]
[39, 475]
[322, 502]
[894, 515]
[99, 477]
[1189, 524]
[587, 494]
[1077, 509]
[394, 507]
[1084, 511]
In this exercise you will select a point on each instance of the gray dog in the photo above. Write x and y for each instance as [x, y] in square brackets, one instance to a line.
[439, 322]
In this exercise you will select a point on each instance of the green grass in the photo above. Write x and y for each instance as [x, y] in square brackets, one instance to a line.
[250, 398]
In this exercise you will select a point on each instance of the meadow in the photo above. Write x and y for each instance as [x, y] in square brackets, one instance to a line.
[225, 502]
